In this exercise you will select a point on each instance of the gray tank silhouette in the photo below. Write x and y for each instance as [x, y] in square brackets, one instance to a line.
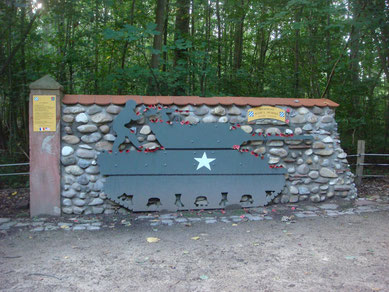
[200, 166]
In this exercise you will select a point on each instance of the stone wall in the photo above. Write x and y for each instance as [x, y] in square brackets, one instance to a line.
[316, 169]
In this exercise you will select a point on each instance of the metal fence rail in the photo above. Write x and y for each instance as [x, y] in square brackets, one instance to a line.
[14, 173]
[14, 164]
[367, 154]
[361, 162]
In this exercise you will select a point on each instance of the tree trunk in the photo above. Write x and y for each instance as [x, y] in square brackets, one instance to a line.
[231, 52]
[11, 93]
[203, 79]
[157, 44]
[181, 32]
[263, 44]
[96, 46]
[238, 38]
[71, 52]
[192, 75]
[354, 54]
[165, 56]
[219, 51]
[314, 91]
[328, 46]
[297, 55]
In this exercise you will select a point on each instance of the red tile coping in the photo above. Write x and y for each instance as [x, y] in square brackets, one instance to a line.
[195, 100]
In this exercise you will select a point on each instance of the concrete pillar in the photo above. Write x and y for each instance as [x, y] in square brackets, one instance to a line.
[45, 147]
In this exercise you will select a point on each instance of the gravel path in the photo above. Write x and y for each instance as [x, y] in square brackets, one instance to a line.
[320, 253]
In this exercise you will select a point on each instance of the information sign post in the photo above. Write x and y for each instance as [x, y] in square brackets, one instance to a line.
[44, 128]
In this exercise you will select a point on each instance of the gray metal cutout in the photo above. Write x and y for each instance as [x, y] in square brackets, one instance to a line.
[183, 162]
[126, 116]
[198, 169]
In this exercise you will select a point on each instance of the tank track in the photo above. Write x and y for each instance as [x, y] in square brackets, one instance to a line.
[130, 192]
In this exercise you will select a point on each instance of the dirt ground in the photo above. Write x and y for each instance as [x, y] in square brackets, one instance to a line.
[346, 253]
[343, 253]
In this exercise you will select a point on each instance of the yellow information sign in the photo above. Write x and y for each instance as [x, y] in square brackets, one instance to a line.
[266, 112]
[44, 113]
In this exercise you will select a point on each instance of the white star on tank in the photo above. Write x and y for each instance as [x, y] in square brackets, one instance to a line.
[204, 161]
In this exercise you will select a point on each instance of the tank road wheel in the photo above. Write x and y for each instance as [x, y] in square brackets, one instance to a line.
[200, 200]
[155, 202]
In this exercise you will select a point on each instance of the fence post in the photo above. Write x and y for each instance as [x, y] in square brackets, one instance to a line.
[360, 161]
[45, 144]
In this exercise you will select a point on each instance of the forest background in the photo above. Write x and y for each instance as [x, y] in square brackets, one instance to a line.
[269, 48]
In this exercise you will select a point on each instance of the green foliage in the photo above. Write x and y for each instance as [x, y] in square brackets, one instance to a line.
[289, 49]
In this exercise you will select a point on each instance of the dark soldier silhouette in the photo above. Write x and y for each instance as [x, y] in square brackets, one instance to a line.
[119, 125]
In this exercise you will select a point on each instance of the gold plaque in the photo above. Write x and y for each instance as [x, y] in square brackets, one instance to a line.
[266, 112]
[44, 113]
